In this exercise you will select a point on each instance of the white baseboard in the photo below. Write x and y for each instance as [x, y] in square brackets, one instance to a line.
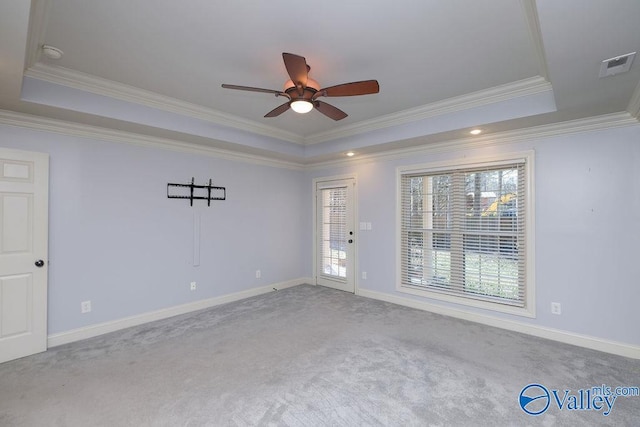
[116, 325]
[620, 349]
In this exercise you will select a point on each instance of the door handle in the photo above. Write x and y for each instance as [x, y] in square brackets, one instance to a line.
[39, 263]
[350, 240]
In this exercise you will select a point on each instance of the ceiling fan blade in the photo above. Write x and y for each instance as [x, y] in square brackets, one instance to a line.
[365, 87]
[278, 110]
[253, 89]
[330, 111]
[297, 68]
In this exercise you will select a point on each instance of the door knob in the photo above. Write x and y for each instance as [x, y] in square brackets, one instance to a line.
[350, 240]
[39, 263]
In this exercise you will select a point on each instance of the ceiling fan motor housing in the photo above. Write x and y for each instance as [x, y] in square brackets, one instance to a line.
[311, 88]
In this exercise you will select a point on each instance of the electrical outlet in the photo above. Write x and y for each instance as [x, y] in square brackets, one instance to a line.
[193, 286]
[85, 307]
[364, 275]
[258, 274]
[556, 308]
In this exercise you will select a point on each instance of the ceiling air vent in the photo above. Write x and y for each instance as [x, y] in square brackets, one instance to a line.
[617, 65]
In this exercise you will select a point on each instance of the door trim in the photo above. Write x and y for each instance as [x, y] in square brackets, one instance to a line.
[35, 339]
[315, 182]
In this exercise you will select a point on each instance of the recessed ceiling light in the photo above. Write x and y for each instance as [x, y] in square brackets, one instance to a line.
[351, 154]
[476, 132]
[51, 52]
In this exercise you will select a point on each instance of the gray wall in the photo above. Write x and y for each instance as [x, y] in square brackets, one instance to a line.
[587, 228]
[117, 240]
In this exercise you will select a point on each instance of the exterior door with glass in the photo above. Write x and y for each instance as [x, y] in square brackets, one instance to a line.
[335, 234]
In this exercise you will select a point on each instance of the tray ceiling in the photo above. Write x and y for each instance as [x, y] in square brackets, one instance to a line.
[155, 67]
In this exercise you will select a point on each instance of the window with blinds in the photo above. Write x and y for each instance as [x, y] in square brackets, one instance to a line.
[463, 232]
[333, 233]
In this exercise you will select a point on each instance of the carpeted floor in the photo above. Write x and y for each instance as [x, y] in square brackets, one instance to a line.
[311, 356]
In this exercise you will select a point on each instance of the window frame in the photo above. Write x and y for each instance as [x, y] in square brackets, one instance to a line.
[527, 158]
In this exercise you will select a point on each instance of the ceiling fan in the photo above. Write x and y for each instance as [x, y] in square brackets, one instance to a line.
[303, 92]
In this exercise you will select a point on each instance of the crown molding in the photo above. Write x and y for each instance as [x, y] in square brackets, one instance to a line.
[37, 28]
[88, 83]
[525, 87]
[634, 104]
[96, 85]
[533, 24]
[608, 121]
[86, 131]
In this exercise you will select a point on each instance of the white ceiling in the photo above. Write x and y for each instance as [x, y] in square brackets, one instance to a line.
[155, 67]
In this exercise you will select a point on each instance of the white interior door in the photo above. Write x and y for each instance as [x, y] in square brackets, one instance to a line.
[24, 188]
[335, 234]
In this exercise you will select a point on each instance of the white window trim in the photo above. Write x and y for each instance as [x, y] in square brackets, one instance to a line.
[529, 309]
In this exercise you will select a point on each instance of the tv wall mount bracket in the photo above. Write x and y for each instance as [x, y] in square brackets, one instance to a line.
[196, 192]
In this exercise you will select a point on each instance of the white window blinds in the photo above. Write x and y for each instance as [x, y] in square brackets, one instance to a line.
[334, 231]
[463, 232]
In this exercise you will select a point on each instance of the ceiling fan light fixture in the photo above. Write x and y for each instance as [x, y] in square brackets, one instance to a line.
[302, 91]
[301, 106]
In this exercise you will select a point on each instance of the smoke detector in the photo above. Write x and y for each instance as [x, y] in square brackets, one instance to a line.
[616, 65]
[51, 52]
